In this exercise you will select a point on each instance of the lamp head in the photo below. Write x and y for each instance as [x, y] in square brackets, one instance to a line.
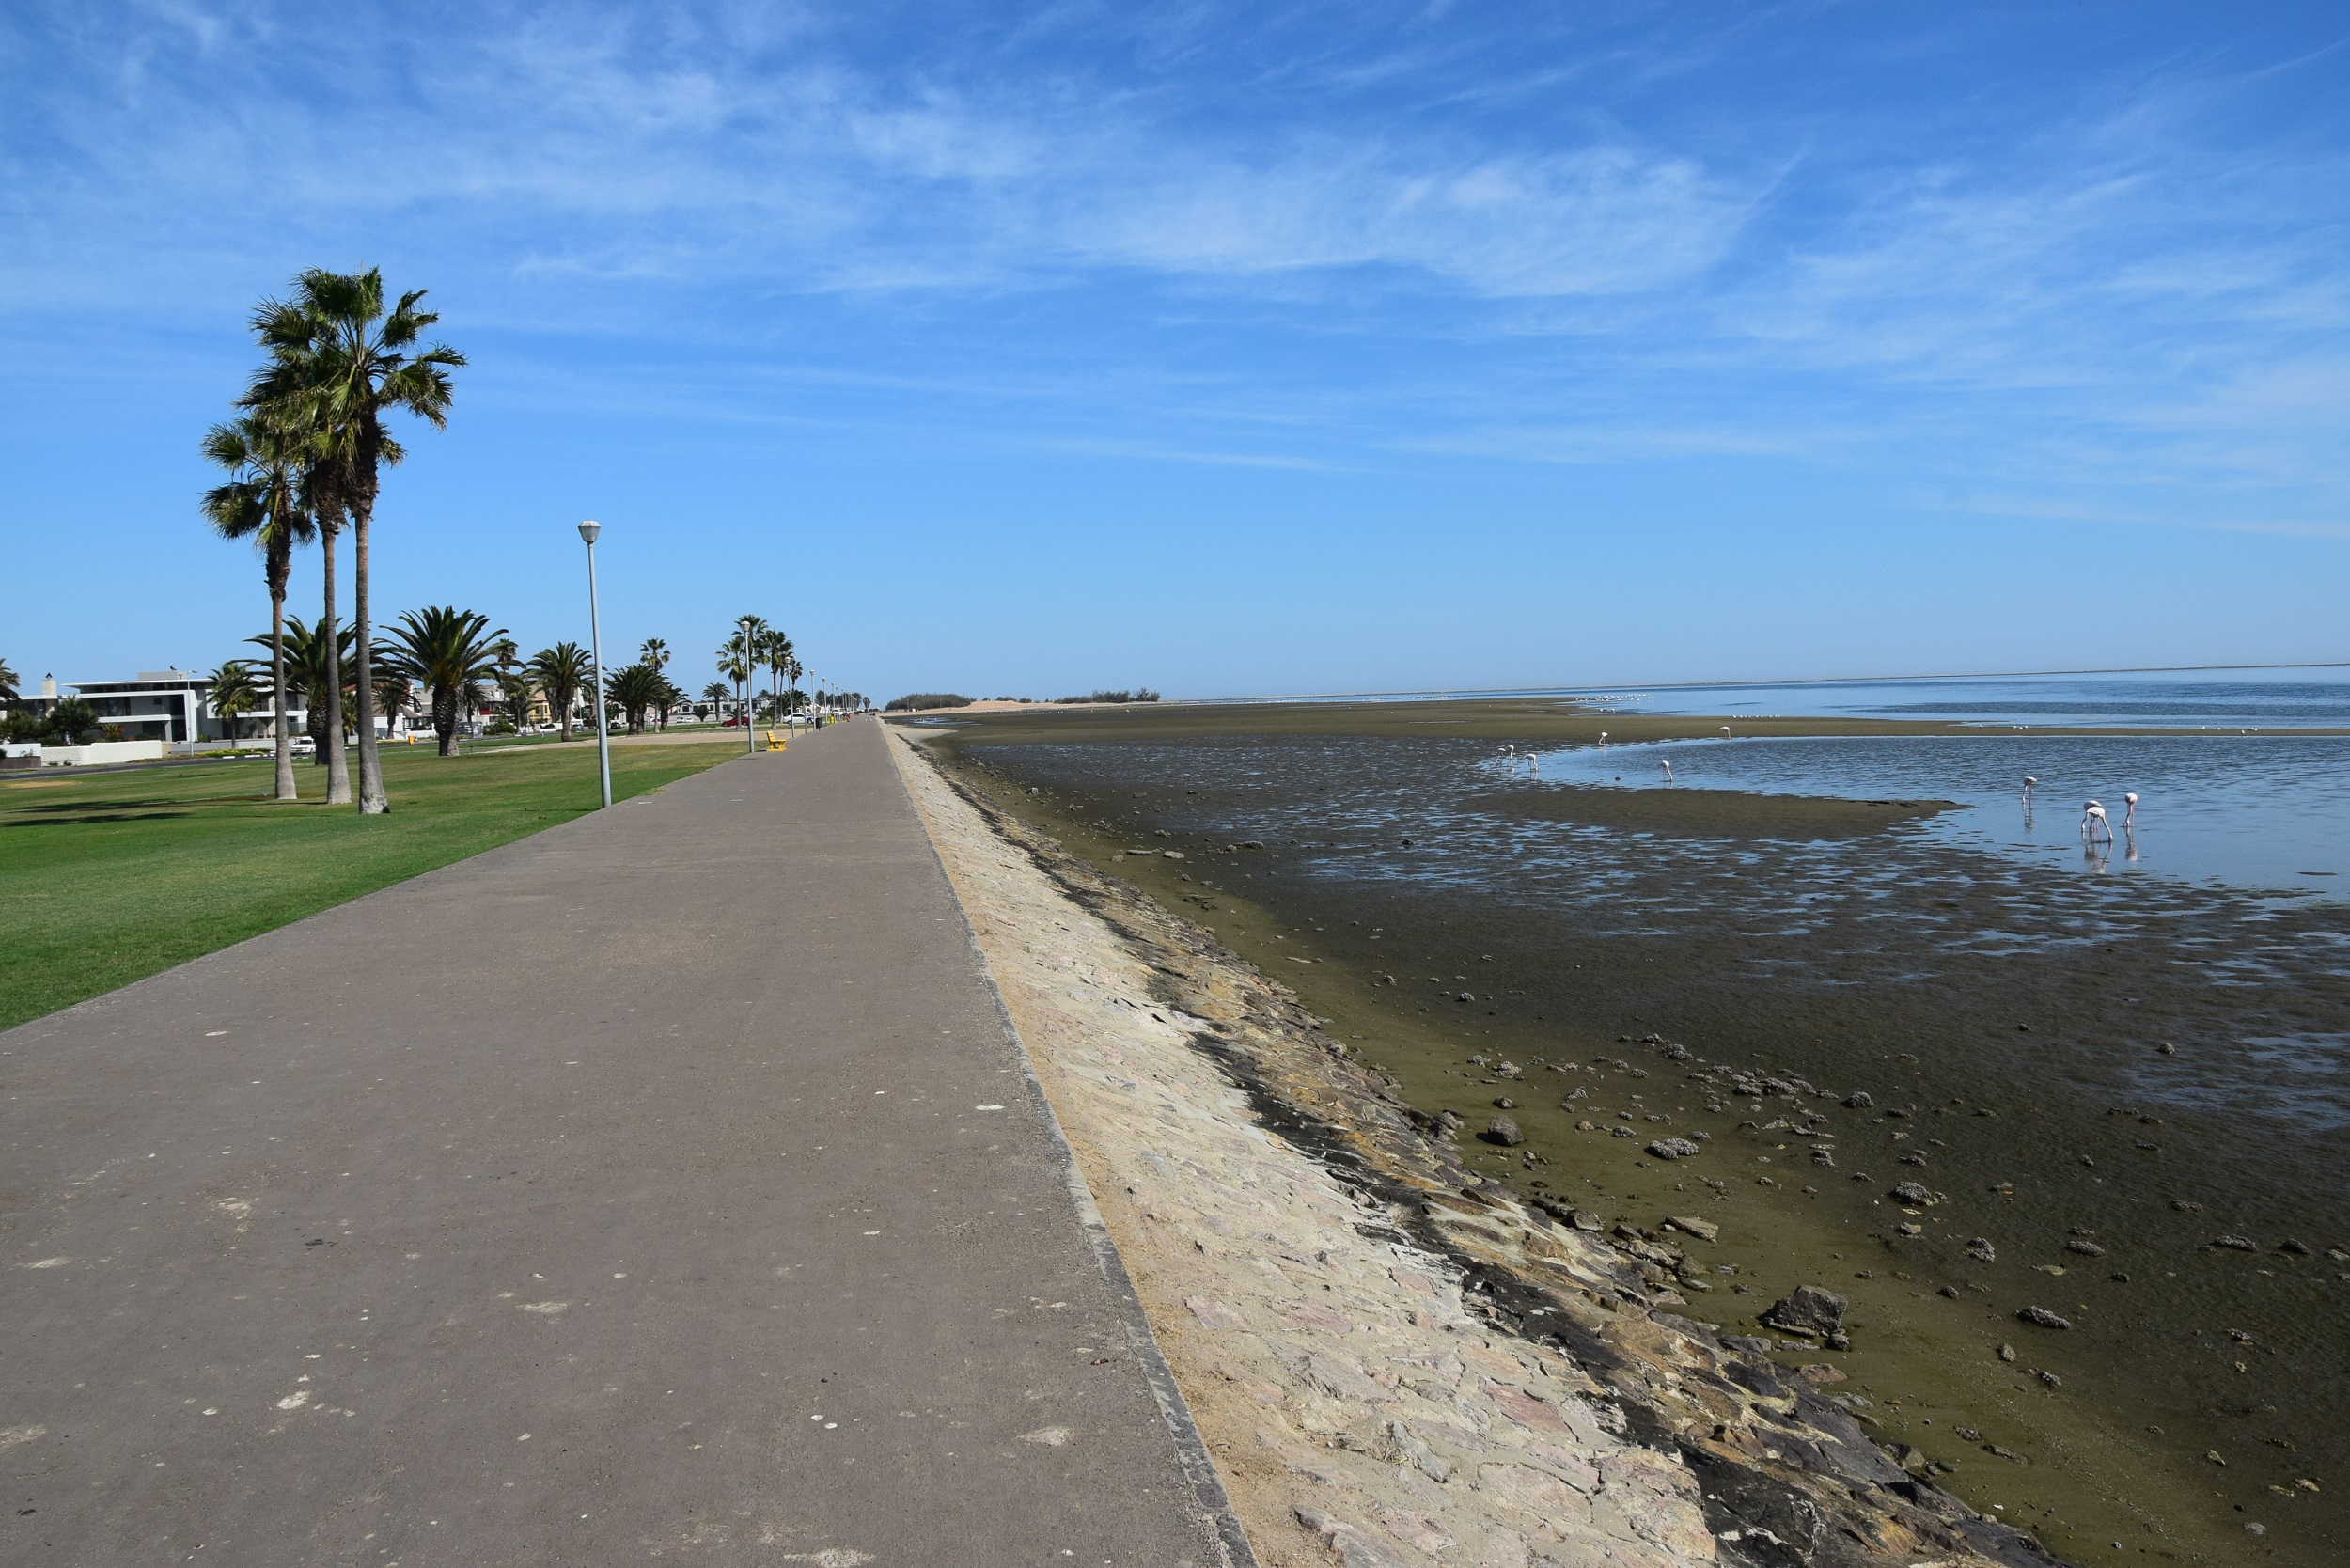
[589, 529]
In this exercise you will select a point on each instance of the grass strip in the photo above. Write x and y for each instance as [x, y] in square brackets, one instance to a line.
[107, 878]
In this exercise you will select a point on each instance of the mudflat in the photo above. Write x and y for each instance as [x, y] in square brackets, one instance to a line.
[666, 1184]
[1971, 1095]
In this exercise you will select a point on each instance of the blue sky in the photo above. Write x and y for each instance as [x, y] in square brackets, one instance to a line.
[1225, 348]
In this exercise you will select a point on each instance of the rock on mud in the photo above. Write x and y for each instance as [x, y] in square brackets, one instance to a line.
[1810, 1312]
[1503, 1131]
[1672, 1149]
[2039, 1317]
[1913, 1194]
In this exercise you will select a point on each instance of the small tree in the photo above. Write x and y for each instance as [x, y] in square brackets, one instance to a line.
[72, 721]
[449, 653]
[234, 692]
[562, 672]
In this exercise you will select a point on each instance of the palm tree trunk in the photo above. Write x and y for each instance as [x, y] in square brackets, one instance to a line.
[372, 801]
[277, 675]
[445, 716]
[338, 766]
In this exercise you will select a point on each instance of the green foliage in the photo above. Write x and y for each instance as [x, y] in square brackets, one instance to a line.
[234, 693]
[449, 653]
[71, 722]
[636, 688]
[562, 673]
[113, 876]
[1144, 695]
[918, 701]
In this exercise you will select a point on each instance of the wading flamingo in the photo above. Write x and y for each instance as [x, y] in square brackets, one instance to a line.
[2094, 823]
[2028, 782]
[2129, 818]
[1668, 772]
[1725, 732]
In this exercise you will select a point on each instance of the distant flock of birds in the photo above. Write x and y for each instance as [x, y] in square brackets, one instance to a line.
[2096, 827]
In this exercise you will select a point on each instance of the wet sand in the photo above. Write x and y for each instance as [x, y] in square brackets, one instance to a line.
[2014, 1023]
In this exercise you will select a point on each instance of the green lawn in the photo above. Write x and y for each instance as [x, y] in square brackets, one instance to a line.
[108, 877]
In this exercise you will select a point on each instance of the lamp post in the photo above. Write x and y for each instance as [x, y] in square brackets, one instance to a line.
[588, 531]
[750, 676]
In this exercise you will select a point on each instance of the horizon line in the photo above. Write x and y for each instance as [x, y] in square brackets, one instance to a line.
[1780, 681]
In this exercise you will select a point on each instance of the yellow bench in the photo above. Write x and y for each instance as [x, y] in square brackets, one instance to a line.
[774, 742]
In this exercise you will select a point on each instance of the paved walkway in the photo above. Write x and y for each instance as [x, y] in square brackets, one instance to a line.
[664, 1187]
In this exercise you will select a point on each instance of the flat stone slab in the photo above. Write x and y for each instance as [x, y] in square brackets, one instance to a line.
[661, 1186]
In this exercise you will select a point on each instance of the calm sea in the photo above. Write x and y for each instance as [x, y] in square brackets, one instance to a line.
[2249, 800]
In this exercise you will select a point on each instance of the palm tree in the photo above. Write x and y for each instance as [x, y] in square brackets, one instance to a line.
[393, 691]
[72, 719]
[716, 694]
[738, 659]
[517, 691]
[267, 502]
[310, 674]
[8, 685]
[447, 652]
[338, 362]
[233, 693]
[655, 653]
[636, 688]
[775, 652]
[792, 670]
[561, 671]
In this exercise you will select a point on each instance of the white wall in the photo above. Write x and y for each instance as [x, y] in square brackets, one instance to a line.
[103, 751]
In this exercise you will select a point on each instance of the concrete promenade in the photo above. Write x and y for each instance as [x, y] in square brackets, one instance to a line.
[661, 1188]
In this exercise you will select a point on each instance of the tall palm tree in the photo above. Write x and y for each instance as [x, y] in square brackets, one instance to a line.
[338, 362]
[562, 672]
[792, 670]
[8, 685]
[655, 653]
[449, 653]
[267, 502]
[775, 652]
[738, 660]
[233, 693]
[716, 694]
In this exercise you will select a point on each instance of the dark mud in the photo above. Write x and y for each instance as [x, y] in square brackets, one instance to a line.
[2007, 1026]
[1707, 813]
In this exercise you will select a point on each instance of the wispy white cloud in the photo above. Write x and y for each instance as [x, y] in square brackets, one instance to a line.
[1457, 252]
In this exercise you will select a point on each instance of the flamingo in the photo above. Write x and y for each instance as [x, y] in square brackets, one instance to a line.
[2093, 821]
[1725, 732]
[1668, 772]
[2028, 782]
[2129, 818]
[1602, 737]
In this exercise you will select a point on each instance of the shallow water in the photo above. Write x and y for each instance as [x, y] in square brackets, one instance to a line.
[2238, 699]
[2250, 811]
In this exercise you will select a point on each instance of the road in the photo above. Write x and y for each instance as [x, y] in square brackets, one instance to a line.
[664, 1186]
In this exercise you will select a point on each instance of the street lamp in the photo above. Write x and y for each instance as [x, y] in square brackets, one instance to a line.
[750, 688]
[588, 531]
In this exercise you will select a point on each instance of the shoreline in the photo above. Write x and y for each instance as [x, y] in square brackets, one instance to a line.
[1887, 962]
[1478, 1370]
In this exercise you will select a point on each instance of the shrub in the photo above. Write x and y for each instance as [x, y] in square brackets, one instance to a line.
[70, 722]
[1143, 694]
[914, 702]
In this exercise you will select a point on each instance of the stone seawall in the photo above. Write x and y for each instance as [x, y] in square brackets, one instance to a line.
[1391, 1362]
